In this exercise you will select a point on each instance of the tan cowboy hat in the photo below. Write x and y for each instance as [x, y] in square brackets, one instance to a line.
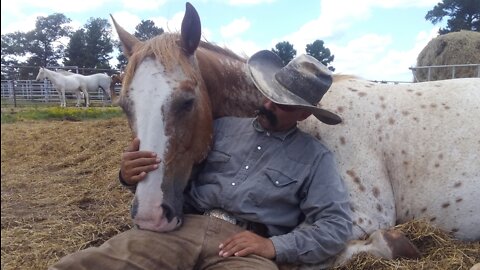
[302, 82]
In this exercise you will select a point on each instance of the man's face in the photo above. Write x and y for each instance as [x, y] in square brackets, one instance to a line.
[276, 117]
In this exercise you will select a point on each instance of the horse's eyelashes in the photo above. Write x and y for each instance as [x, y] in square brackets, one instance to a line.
[185, 105]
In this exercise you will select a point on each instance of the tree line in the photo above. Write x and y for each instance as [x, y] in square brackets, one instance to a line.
[53, 42]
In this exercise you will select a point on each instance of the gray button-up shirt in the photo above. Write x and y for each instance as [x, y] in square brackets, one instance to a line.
[280, 180]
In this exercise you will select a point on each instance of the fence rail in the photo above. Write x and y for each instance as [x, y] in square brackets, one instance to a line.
[28, 92]
[453, 70]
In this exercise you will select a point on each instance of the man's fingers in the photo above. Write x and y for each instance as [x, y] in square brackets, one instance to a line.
[143, 169]
[134, 145]
[131, 156]
[139, 177]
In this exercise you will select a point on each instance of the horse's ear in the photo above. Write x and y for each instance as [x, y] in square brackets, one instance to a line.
[191, 29]
[128, 40]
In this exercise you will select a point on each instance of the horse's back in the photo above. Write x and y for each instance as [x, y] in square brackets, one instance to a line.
[408, 151]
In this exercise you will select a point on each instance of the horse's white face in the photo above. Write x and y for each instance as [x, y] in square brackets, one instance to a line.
[41, 74]
[151, 93]
[168, 109]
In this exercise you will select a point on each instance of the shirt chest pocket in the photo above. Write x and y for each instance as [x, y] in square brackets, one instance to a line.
[279, 187]
[279, 179]
[216, 161]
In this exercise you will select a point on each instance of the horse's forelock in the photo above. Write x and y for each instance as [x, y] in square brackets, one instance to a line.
[164, 48]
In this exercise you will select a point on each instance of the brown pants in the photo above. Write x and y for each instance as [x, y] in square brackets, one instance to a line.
[193, 246]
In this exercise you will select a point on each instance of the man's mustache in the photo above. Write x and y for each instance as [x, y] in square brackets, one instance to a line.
[271, 117]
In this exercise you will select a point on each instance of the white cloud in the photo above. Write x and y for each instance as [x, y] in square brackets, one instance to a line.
[242, 47]
[59, 6]
[126, 20]
[143, 4]
[235, 28]
[248, 2]
[370, 57]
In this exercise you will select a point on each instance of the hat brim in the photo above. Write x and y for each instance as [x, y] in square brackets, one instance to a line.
[262, 67]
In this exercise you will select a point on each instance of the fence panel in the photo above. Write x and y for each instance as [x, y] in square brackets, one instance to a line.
[30, 92]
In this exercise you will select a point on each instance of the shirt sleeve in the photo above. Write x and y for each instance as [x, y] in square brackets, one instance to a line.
[132, 188]
[327, 226]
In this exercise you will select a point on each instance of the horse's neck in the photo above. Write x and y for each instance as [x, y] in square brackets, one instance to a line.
[53, 76]
[231, 91]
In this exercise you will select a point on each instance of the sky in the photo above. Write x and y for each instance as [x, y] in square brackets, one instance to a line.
[373, 39]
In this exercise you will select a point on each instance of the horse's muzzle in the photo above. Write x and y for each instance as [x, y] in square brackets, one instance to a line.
[154, 218]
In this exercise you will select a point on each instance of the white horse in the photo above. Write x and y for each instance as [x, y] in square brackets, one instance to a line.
[63, 83]
[93, 82]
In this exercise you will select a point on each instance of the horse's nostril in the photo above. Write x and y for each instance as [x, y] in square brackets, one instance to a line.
[169, 214]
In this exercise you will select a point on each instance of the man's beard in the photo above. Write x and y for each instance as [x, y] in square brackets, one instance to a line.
[271, 117]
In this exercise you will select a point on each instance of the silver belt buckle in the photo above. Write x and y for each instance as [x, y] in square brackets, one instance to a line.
[220, 214]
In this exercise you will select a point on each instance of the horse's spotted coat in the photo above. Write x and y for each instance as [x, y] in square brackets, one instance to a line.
[407, 151]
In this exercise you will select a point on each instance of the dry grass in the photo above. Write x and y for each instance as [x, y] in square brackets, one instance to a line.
[450, 49]
[438, 249]
[60, 194]
[59, 189]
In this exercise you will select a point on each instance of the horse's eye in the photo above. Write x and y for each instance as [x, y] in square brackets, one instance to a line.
[186, 105]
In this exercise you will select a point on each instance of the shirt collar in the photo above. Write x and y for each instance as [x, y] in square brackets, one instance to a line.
[282, 135]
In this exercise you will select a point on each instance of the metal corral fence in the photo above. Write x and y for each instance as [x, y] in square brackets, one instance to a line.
[29, 92]
[453, 70]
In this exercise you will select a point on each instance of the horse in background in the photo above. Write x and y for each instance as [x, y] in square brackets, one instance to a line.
[65, 83]
[175, 85]
[116, 79]
[92, 82]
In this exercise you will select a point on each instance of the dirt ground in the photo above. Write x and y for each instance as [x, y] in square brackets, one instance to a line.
[60, 194]
[59, 189]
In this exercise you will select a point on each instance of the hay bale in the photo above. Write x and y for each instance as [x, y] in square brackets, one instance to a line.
[450, 49]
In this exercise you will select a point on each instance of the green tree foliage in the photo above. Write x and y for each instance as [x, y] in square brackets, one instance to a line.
[76, 49]
[318, 50]
[41, 46]
[98, 44]
[90, 47]
[285, 51]
[13, 46]
[145, 30]
[44, 42]
[463, 15]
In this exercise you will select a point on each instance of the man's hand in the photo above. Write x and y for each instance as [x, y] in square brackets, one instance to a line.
[135, 164]
[246, 243]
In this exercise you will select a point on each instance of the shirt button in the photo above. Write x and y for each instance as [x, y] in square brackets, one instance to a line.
[276, 182]
[259, 147]
[233, 184]
[246, 167]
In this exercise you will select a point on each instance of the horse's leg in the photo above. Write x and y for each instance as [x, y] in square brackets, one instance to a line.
[63, 102]
[78, 95]
[87, 98]
[389, 244]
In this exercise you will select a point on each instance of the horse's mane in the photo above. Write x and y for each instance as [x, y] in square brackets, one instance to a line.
[165, 48]
[64, 72]
[224, 51]
[344, 77]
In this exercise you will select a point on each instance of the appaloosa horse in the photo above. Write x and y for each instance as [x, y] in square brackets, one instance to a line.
[405, 152]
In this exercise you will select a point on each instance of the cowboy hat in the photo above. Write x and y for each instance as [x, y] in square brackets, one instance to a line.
[302, 82]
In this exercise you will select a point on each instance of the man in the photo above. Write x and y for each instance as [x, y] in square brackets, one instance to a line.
[262, 179]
